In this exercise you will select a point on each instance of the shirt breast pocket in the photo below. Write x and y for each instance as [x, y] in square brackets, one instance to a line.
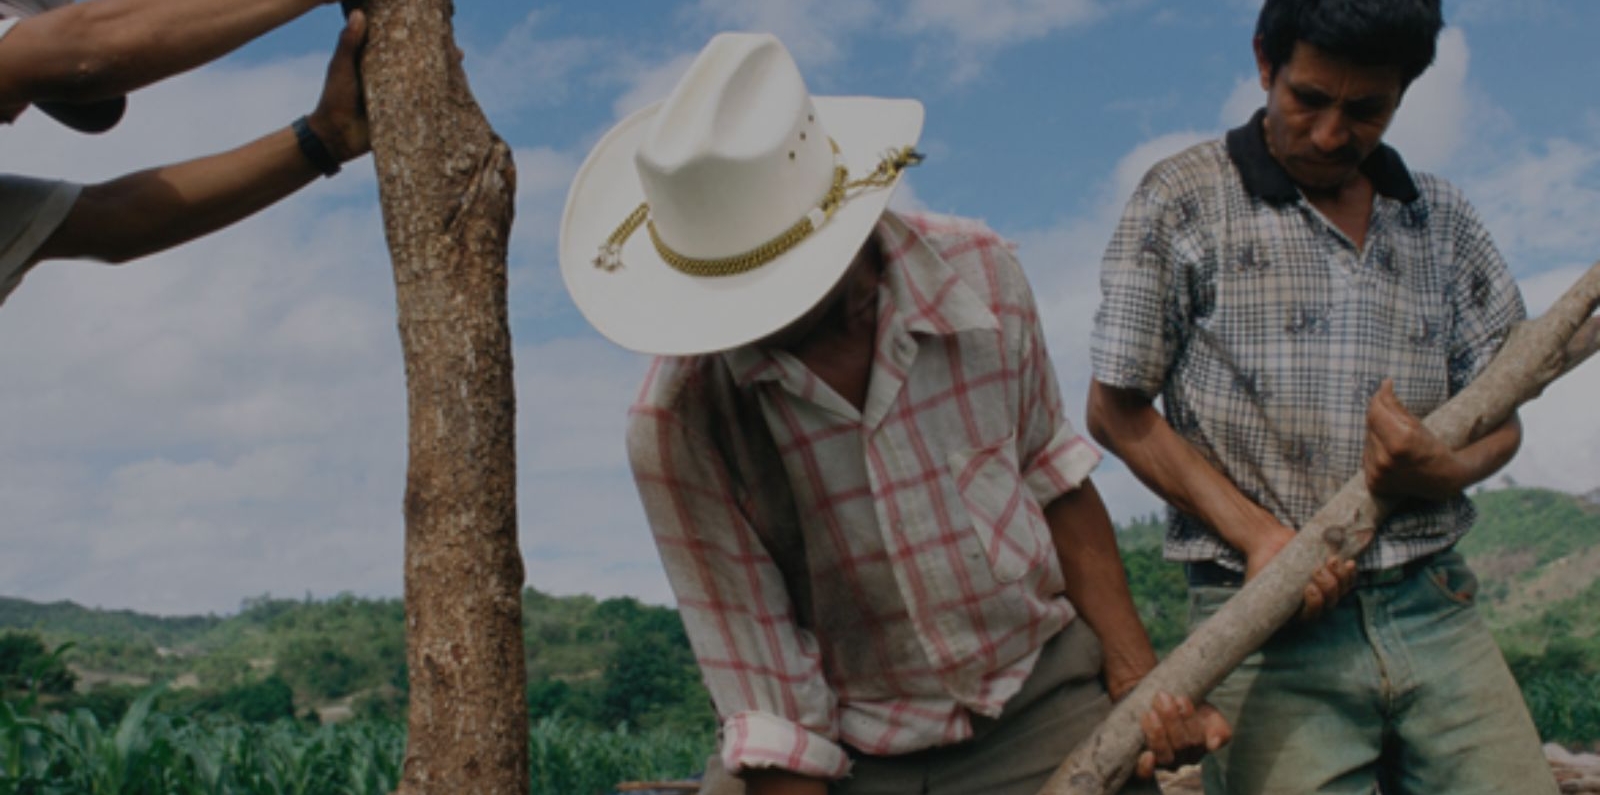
[1006, 520]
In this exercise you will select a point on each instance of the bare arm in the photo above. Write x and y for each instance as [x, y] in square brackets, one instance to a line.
[1097, 585]
[104, 48]
[149, 211]
[1086, 546]
[1128, 424]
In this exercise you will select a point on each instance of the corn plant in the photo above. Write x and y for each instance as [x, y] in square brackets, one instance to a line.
[148, 751]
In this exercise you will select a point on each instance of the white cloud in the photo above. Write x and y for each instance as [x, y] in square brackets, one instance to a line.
[1246, 97]
[816, 32]
[976, 30]
[1561, 435]
[652, 83]
[1432, 122]
[583, 530]
[1063, 265]
[229, 419]
[523, 70]
[1561, 428]
[1541, 204]
[994, 23]
[219, 421]
[1486, 12]
[543, 175]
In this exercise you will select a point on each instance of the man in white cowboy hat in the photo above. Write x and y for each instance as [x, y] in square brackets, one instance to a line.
[875, 517]
[76, 63]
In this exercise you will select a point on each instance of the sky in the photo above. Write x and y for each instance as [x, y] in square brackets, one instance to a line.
[227, 420]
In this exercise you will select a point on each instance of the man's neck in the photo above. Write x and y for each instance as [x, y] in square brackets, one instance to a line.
[1348, 206]
[839, 349]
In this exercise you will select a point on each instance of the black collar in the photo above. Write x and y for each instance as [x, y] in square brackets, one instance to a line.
[1264, 178]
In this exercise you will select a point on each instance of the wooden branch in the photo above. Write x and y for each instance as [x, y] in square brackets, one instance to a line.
[447, 184]
[1536, 353]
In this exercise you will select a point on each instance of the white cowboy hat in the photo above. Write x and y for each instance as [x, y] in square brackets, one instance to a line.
[724, 213]
[90, 117]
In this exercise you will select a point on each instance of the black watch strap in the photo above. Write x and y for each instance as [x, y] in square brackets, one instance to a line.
[314, 148]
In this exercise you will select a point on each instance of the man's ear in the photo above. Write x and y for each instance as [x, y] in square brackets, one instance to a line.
[1263, 66]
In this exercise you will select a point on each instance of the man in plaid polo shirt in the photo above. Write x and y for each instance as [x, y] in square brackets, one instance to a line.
[1296, 297]
[874, 514]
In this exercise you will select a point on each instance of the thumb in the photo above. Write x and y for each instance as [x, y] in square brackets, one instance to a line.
[354, 34]
[1218, 730]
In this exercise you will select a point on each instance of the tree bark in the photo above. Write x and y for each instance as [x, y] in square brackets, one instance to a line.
[447, 183]
[1536, 353]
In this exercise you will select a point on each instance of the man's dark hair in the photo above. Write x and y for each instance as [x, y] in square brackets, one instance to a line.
[1401, 33]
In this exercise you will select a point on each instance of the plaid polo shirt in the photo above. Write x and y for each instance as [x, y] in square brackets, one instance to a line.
[874, 577]
[1265, 331]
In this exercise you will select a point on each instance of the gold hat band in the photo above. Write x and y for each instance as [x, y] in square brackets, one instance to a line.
[610, 257]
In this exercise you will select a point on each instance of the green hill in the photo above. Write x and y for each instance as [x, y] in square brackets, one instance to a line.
[1536, 553]
[606, 662]
[600, 662]
[116, 625]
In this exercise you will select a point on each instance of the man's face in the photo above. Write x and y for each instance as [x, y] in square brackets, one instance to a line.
[1326, 115]
[859, 281]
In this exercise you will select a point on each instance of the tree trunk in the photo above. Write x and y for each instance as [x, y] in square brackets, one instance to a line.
[447, 183]
[1536, 353]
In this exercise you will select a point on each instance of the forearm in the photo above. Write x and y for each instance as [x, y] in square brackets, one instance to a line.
[104, 48]
[1130, 427]
[1480, 459]
[1097, 585]
[150, 211]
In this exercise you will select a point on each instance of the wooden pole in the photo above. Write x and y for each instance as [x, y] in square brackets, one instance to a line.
[447, 184]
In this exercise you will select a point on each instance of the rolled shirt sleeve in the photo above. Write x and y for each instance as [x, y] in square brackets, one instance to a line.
[30, 211]
[763, 671]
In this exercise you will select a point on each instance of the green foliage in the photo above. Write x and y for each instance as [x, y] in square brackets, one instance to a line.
[266, 701]
[1161, 595]
[27, 665]
[125, 626]
[571, 759]
[107, 703]
[1547, 523]
[1565, 705]
[595, 663]
[1144, 532]
[148, 751]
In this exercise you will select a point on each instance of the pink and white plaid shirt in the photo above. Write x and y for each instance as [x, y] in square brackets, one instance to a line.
[893, 573]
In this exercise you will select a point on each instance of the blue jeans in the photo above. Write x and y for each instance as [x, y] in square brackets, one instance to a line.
[1400, 688]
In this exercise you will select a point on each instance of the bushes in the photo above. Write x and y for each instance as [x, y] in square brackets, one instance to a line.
[265, 701]
[1565, 706]
[26, 665]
